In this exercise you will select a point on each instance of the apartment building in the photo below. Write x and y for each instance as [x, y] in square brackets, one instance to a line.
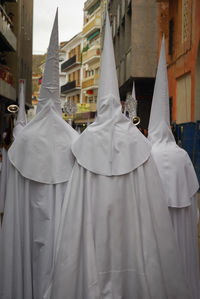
[92, 49]
[179, 20]
[72, 68]
[16, 20]
[135, 31]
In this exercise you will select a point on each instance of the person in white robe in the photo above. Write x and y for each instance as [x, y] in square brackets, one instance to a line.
[41, 164]
[179, 180]
[20, 123]
[115, 238]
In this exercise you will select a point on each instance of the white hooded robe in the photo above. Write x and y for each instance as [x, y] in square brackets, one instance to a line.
[178, 178]
[41, 165]
[115, 239]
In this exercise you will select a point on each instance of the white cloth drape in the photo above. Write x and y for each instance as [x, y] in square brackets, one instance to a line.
[116, 239]
[184, 221]
[28, 236]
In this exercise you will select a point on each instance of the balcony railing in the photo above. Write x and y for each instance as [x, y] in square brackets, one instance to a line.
[88, 4]
[91, 26]
[5, 30]
[68, 87]
[91, 55]
[71, 62]
[91, 82]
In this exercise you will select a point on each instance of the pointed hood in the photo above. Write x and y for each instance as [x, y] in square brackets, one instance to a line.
[21, 116]
[159, 125]
[42, 151]
[131, 104]
[133, 91]
[174, 165]
[108, 84]
[49, 91]
[111, 145]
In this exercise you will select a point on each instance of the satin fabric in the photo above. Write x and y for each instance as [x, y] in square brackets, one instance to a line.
[28, 236]
[116, 239]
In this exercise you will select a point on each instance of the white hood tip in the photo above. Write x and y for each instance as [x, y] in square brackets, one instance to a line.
[21, 116]
[49, 90]
[111, 145]
[159, 129]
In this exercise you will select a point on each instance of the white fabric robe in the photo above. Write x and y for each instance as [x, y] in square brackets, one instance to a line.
[3, 178]
[30, 226]
[116, 239]
[180, 186]
[178, 177]
[184, 221]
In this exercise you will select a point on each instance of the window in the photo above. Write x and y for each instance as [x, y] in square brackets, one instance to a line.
[183, 101]
[184, 20]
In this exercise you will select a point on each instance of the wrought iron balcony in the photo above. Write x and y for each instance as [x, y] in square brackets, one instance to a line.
[71, 62]
[70, 86]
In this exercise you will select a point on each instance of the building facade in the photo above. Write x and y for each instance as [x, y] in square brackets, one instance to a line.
[72, 68]
[16, 21]
[91, 55]
[179, 20]
[134, 30]
[62, 75]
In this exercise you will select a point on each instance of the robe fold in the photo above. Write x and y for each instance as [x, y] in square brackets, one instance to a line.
[30, 227]
[116, 239]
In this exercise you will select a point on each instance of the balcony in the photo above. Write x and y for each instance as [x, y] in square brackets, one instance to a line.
[9, 41]
[7, 91]
[93, 25]
[91, 82]
[70, 63]
[91, 56]
[89, 3]
[70, 86]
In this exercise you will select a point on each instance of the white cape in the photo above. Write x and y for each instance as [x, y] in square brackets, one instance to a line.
[116, 239]
[30, 226]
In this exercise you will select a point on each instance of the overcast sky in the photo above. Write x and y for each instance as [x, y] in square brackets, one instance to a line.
[70, 15]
